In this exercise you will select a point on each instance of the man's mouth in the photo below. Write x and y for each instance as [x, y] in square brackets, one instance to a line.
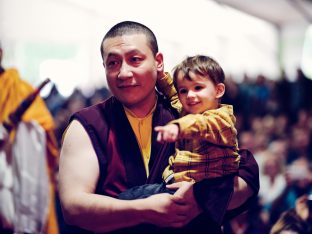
[126, 86]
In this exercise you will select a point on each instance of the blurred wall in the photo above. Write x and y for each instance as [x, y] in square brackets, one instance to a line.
[61, 38]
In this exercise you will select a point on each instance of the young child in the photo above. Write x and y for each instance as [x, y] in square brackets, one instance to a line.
[205, 135]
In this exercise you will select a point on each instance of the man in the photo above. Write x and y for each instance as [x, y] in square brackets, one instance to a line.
[112, 146]
[13, 91]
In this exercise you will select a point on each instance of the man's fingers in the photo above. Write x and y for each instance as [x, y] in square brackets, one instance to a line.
[174, 185]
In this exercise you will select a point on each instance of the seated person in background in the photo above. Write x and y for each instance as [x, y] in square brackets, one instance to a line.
[206, 135]
[299, 183]
[297, 220]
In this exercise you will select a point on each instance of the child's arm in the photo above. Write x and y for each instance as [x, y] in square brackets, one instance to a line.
[165, 86]
[167, 133]
[216, 126]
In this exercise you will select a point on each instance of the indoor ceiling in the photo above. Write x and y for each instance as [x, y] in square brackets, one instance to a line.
[278, 12]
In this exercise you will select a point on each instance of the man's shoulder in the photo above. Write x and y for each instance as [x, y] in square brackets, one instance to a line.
[107, 103]
[95, 111]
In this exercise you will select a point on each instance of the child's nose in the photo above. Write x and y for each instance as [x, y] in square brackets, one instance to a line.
[190, 94]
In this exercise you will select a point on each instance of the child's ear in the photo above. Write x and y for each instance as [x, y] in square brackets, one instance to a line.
[220, 88]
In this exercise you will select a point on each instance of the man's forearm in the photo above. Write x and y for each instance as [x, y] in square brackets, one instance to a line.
[101, 213]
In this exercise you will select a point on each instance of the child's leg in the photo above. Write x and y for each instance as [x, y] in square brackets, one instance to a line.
[144, 191]
[214, 195]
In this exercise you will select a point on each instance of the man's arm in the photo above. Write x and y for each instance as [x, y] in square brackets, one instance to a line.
[247, 186]
[242, 192]
[78, 175]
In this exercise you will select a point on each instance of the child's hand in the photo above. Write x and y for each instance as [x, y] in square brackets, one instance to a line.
[167, 133]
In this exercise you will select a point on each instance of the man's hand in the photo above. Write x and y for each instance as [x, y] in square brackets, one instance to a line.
[175, 210]
[167, 133]
[184, 195]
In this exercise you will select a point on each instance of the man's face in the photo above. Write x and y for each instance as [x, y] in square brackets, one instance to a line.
[131, 69]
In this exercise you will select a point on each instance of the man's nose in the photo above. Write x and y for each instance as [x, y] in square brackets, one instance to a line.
[125, 71]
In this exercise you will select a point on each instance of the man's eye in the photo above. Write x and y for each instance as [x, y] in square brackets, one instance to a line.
[136, 59]
[112, 63]
[182, 91]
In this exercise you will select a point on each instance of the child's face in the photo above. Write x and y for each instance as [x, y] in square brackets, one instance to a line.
[199, 94]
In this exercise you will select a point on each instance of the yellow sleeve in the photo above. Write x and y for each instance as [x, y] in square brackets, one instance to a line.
[166, 87]
[13, 91]
[216, 126]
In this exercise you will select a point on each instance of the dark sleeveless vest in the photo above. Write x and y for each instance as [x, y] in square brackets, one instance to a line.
[121, 164]
[119, 156]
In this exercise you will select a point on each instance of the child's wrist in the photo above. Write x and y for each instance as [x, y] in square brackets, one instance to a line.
[163, 75]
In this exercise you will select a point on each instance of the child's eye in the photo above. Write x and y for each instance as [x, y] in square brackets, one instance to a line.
[182, 91]
[198, 88]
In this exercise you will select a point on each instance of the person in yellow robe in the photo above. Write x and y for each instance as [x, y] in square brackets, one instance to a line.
[13, 91]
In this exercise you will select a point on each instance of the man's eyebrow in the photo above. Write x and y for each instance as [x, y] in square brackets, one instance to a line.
[110, 54]
[134, 51]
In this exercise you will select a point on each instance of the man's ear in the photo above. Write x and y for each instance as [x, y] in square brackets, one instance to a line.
[220, 88]
[159, 62]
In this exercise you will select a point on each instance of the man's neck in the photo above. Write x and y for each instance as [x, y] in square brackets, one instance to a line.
[144, 109]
